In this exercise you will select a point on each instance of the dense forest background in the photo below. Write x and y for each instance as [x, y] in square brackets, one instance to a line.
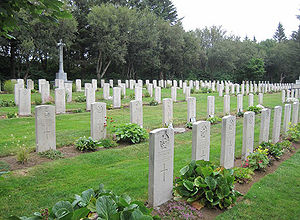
[142, 39]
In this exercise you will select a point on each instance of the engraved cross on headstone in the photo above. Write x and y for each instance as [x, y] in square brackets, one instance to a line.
[164, 172]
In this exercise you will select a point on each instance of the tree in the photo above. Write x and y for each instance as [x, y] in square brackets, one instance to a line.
[46, 10]
[279, 35]
[254, 69]
[110, 27]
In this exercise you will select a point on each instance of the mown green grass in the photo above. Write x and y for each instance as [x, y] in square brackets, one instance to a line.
[124, 170]
[276, 196]
[70, 127]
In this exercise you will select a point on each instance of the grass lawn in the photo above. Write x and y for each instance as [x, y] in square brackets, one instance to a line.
[124, 170]
[70, 127]
[276, 196]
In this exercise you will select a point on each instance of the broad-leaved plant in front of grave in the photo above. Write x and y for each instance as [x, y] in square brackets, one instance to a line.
[254, 109]
[293, 134]
[204, 184]
[98, 204]
[130, 133]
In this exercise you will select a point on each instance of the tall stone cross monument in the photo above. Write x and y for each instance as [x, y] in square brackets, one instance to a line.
[61, 74]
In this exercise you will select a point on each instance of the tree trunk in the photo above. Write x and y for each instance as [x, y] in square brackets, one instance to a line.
[99, 65]
[13, 46]
[105, 69]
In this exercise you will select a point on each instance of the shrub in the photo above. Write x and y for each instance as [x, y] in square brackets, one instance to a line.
[73, 87]
[52, 154]
[23, 155]
[242, 175]
[293, 133]
[80, 99]
[130, 133]
[207, 184]
[86, 144]
[206, 90]
[274, 150]
[9, 86]
[96, 204]
[258, 160]
[254, 109]
[214, 120]
[7, 103]
[79, 110]
[107, 143]
[287, 145]
[153, 103]
[193, 90]
[11, 115]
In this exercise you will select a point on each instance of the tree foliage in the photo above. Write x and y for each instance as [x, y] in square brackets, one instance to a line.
[141, 40]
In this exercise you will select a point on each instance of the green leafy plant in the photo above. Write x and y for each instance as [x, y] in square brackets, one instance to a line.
[287, 145]
[7, 103]
[52, 154]
[274, 150]
[240, 114]
[293, 133]
[37, 101]
[9, 86]
[214, 120]
[258, 160]
[11, 115]
[189, 125]
[242, 175]
[254, 109]
[98, 204]
[193, 90]
[86, 144]
[79, 110]
[147, 94]
[107, 143]
[206, 184]
[206, 90]
[23, 155]
[130, 133]
[153, 103]
[80, 99]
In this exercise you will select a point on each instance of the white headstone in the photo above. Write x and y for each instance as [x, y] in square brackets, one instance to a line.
[45, 128]
[210, 106]
[226, 104]
[295, 113]
[24, 102]
[60, 100]
[136, 112]
[161, 165]
[287, 117]
[276, 124]
[228, 141]
[106, 91]
[167, 111]
[98, 120]
[174, 93]
[248, 134]
[78, 85]
[94, 84]
[264, 125]
[90, 98]
[250, 100]
[191, 109]
[201, 140]
[138, 93]
[117, 97]
[68, 88]
[261, 98]
[239, 103]
[158, 94]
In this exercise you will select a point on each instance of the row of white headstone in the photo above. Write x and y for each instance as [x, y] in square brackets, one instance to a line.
[161, 146]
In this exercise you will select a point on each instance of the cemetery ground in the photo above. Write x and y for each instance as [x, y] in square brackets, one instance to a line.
[125, 170]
